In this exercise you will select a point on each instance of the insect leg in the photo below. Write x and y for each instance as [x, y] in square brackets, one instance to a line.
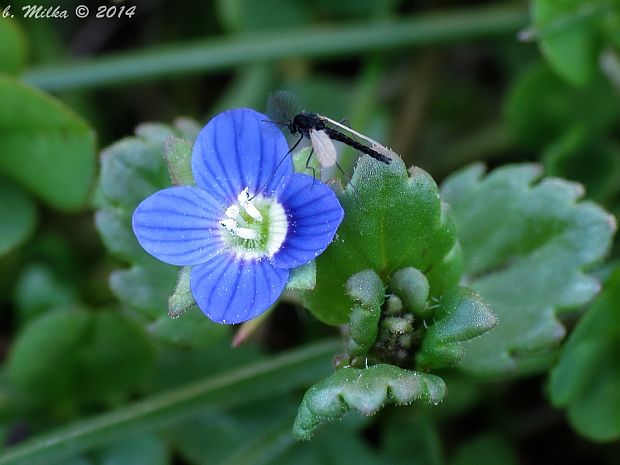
[308, 167]
[301, 136]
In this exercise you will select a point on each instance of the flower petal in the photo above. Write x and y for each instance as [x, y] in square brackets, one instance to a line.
[179, 225]
[314, 213]
[237, 149]
[229, 290]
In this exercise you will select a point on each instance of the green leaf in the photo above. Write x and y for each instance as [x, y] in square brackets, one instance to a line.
[366, 288]
[145, 289]
[364, 328]
[178, 155]
[80, 460]
[413, 431]
[586, 380]
[43, 362]
[215, 438]
[340, 444]
[569, 35]
[485, 449]
[191, 329]
[44, 146]
[541, 107]
[115, 359]
[134, 449]
[302, 278]
[252, 382]
[365, 390]
[39, 289]
[246, 15]
[156, 133]
[526, 244]
[412, 287]
[182, 298]
[18, 216]
[177, 366]
[114, 227]
[461, 316]
[188, 128]
[592, 161]
[13, 47]
[392, 220]
[131, 170]
[76, 357]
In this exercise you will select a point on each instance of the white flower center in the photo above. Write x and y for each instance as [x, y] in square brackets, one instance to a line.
[254, 228]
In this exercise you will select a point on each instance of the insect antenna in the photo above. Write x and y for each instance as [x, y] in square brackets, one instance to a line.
[277, 166]
[273, 122]
[282, 106]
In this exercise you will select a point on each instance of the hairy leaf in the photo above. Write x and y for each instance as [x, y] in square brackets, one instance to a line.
[181, 299]
[526, 244]
[366, 288]
[365, 390]
[175, 153]
[303, 277]
[461, 316]
[412, 287]
[393, 219]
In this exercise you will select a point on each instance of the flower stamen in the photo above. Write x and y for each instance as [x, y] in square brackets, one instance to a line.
[248, 207]
[255, 228]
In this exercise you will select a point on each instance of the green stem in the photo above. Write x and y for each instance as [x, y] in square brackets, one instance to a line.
[268, 378]
[215, 54]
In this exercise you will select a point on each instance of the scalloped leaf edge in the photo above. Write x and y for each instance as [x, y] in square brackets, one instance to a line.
[365, 390]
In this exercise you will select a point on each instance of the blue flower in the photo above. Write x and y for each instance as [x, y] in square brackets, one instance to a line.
[242, 227]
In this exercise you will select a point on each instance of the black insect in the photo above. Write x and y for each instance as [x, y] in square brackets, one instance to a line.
[281, 108]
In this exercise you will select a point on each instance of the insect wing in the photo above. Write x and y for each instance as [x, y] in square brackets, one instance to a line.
[372, 142]
[324, 148]
[282, 106]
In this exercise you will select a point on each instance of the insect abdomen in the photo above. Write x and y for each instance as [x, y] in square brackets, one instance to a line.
[336, 135]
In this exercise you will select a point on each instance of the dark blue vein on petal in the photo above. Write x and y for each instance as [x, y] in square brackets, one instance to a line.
[218, 153]
[178, 237]
[307, 238]
[249, 288]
